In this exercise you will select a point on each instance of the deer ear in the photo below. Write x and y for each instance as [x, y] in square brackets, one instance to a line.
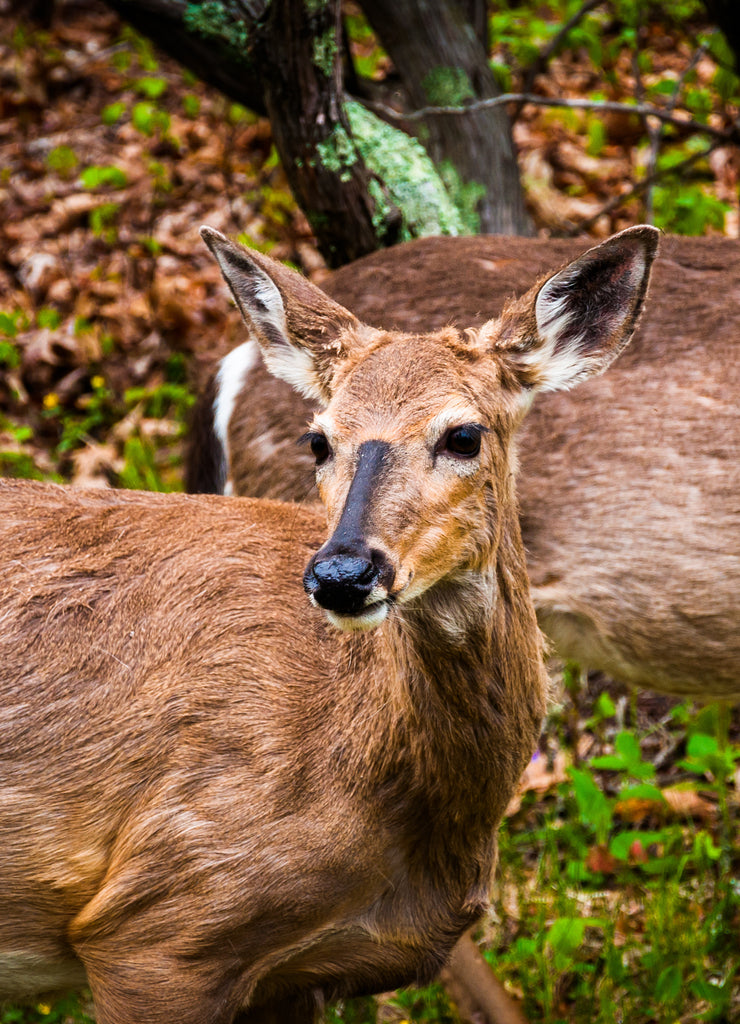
[582, 317]
[300, 330]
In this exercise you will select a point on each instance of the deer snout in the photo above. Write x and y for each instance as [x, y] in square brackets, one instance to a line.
[350, 584]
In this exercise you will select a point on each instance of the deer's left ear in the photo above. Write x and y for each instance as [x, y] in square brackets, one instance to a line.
[302, 333]
[578, 321]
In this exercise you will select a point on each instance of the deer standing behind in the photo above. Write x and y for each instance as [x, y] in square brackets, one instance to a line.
[629, 486]
[219, 803]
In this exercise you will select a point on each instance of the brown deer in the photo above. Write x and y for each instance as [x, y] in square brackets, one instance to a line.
[220, 803]
[629, 486]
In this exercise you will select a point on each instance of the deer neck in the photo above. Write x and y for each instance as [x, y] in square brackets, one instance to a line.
[462, 680]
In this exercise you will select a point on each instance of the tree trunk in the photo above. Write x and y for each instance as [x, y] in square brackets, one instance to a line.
[441, 63]
[363, 184]
[304, 100]
[476, 15]
[215, 50]
[281, 59]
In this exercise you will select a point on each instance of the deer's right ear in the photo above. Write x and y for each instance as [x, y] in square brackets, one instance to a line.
[575, 323]
[301, 332]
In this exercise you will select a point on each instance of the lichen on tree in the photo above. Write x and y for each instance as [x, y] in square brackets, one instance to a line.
[409, 177]
[213, 21]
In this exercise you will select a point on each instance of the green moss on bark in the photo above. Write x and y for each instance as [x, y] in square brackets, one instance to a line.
[337, 153]
[448, 87]
[325, 52]
[212, 20]
[409, 179]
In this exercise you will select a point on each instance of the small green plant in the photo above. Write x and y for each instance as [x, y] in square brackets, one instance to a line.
[191, 105]
[103, 177]
[48, 318]
[604, 840]
[687, 209]
[148, 119]
[113, 112]
[97, 409]
[160, 176]
[62, 160]
[152, 246]
[237, 114]
[141, 47]
[151, 88]
[65, 1011]
[9, 355]
[141, 471]
[103, 221]
[12, 323]
[17, 455]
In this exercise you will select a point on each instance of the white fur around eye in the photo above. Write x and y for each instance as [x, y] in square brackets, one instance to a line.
[461, 467]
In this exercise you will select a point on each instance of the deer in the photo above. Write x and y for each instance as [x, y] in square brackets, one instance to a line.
[254, 756]
[628, 486]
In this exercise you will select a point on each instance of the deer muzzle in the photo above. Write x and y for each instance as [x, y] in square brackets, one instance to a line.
[351, 581]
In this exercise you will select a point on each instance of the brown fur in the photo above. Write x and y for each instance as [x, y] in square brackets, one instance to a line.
[209, 797]
[212, 805]
[628, 485]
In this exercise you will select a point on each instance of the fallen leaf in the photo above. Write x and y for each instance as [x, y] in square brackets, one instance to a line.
[600, 860]
[687, 803]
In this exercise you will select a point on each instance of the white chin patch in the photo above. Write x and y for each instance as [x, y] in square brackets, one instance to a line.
[369, 619]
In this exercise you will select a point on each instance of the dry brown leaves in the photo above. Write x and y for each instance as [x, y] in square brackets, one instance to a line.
[119, 263]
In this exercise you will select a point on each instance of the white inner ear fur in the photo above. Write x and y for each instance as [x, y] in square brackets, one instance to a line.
[266, 292]
[296, 367]
[559, 351]
[284, 359]
[559, 354]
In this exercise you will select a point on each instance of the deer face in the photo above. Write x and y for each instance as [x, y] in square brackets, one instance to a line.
[412, 466]
[413, 446]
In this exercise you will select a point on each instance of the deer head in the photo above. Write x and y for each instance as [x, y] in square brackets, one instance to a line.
[413, 441]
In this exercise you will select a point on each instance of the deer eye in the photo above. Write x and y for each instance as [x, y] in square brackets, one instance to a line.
[319, 446]
[463, 442]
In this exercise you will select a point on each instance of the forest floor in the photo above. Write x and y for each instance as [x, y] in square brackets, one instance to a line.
[618, 898]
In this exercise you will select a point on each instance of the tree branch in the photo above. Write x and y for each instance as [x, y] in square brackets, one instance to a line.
[638, 109]
[640, 186]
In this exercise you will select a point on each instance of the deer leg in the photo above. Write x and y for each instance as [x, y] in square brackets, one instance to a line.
[475, 988]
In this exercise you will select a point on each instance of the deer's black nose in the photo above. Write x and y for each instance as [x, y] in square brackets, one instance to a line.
[346, 575]
[341, 582]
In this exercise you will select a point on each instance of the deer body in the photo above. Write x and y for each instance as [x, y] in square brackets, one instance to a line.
[329, 858]
[219, 803]
[628, 486]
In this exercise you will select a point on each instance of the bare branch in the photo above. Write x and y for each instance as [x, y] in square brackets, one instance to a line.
[641, 186]
[641, 110]
[655, 132]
